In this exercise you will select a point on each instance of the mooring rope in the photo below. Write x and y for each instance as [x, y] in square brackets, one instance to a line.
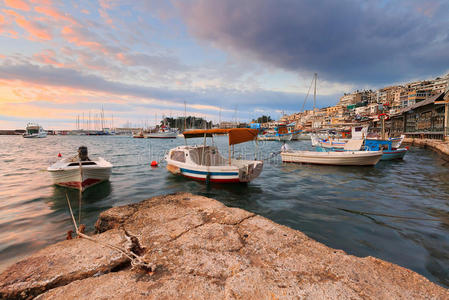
[384, 215]
[80, 195]
[136, 260]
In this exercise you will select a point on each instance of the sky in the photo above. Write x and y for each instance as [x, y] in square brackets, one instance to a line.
[231, 60]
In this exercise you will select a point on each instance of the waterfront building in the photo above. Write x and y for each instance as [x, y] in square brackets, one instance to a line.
[425, 119]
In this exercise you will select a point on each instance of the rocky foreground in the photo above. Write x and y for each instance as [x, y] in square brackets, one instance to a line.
[201, 249]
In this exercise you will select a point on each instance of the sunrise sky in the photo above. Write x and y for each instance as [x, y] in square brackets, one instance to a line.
[246, 58]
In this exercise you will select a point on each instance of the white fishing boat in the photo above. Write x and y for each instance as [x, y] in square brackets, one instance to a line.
[344, 158]
[138, 135]
[357, 133]
[205, 163]
[163, 133]
[79, 172]
[34, 131]
[280, 133]
[302, 136]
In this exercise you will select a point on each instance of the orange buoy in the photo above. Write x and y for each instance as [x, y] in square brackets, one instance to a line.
[154, 163]
[59, 155]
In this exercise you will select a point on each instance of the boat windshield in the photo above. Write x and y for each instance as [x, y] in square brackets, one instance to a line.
[84, 163]
[32, 131]
[207, 156]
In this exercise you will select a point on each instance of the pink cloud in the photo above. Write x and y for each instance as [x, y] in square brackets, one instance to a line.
[6, 29]
[428, 9]
[48, 57]
[55, 14]
[81, 38]
[106, 17]
[121, 57]
[17, 4]
[34, 29]
[108, 4]
[42, 2]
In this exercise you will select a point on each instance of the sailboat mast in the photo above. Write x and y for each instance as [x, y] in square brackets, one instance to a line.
[314, 93]
[185, 116]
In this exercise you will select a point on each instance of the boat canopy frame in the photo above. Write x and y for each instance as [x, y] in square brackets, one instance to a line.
[236, 135]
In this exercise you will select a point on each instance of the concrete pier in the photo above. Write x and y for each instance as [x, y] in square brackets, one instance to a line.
[437, 145]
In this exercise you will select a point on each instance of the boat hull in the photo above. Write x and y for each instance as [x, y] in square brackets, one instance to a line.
[34, 136]
[353, 158]
[171, 135]
[283, 137]
[72, 178]
[301, 137]
[215, 175]
[206, 164]
[394, 154]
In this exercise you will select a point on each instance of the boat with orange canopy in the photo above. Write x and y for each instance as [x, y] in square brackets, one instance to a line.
[205, 163]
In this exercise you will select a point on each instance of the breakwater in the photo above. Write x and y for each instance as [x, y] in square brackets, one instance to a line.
[204, 250]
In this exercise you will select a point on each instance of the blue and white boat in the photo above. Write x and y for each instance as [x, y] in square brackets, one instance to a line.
[205, 163]
[280, 133]
[389, 152]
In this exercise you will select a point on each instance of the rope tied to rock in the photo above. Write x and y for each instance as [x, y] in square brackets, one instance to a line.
[137, 261]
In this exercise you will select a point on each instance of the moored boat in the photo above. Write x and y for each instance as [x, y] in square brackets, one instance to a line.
[205, 163]
[343, 158]
[280, 133]
[34, 131]
[79, 172]
[389, 152]
[163, 133]
[139, 135]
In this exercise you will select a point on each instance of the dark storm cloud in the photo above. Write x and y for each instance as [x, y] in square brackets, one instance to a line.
[354, 41]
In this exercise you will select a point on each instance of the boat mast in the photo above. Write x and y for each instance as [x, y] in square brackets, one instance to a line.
[185, 116]
[314, 93]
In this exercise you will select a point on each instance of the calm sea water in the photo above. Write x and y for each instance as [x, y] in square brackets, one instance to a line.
[327, 203]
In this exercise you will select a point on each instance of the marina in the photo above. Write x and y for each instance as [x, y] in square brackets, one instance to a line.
[396, 210]
[224, 150]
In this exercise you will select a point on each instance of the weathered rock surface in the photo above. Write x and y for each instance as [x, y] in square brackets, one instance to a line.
[438, 145]
[61, 264]
[205, 250]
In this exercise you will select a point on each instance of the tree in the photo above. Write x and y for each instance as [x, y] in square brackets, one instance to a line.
[190, 122]
[263, 119]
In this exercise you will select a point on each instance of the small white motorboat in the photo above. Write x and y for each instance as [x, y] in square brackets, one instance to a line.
[79, 172]
[163, 133]
[138, 135]
[34, 131]
[205, 163]
[343, 158]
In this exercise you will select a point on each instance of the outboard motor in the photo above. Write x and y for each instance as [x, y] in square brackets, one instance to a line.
[82, 153]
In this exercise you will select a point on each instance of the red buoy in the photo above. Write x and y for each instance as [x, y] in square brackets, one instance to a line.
[154, 163]
[59, 155]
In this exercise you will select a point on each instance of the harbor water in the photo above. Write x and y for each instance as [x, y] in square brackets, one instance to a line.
[397, 211]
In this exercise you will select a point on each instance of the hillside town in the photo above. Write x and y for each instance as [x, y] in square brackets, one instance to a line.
[417, 109]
